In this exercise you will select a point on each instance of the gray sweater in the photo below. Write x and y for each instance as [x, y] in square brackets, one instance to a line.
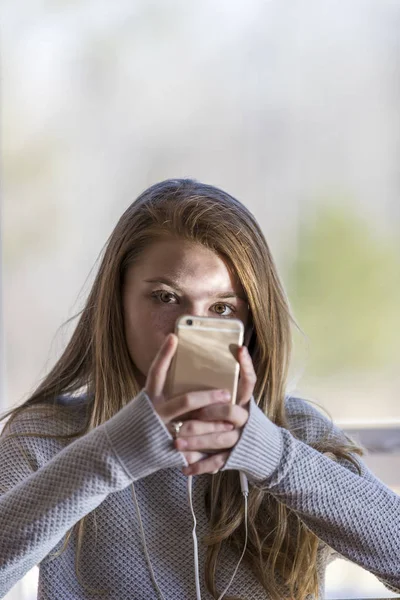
[46, 486]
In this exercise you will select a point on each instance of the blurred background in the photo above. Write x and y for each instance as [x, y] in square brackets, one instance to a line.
[292, 106]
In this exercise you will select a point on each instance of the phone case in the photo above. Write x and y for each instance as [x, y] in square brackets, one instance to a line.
[206, 356]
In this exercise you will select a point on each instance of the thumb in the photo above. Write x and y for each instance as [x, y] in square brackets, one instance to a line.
[157, 374]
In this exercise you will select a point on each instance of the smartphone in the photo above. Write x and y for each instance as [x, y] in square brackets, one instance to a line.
[207, 355]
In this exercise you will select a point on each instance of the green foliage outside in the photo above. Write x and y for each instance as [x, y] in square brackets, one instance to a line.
[344, 288]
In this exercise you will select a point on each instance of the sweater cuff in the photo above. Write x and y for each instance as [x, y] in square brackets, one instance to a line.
[140, 439]
[259, 449]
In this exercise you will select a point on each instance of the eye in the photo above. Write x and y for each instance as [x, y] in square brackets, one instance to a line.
[163, 296]
[220, 309]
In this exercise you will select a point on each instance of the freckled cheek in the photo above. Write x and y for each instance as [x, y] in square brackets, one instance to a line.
[146, 331]
[163, 321]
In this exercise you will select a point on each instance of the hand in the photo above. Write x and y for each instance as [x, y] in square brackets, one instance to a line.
[211, 422]
[177, 408]
[234, 414]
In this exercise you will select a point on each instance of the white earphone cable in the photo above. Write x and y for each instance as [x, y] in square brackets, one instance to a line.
[244, 548]
[245, 492]
[195, 544]
[145, 545]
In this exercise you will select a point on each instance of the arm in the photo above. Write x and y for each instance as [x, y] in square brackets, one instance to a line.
[358, 516]
[42, 500]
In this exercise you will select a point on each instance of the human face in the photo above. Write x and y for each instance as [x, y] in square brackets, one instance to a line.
[175, 277]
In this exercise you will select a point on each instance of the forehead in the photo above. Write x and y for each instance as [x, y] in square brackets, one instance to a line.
[185, 262]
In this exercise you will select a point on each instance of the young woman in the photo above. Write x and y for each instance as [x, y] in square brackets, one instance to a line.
[93, 483]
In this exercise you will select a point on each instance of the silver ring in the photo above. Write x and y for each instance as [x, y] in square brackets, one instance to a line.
[176, 427]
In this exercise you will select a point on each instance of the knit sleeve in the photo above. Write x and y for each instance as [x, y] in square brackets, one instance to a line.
[355, 514]
[46, 488]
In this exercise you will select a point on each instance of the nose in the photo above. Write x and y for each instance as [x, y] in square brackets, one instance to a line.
[197, 309]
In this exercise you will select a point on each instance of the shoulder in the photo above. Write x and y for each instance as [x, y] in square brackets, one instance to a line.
[308, 423]
[42, 430]
[60, 417]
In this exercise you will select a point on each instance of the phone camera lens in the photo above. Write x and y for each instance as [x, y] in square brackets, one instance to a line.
[189, 322]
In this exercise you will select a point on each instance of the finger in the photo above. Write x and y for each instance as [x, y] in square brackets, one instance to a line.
[186, 403]
[193, 457]
[210, 464]
[210, 441]
[157, 374]
[248, 377]
[232, 413]
[190, 428]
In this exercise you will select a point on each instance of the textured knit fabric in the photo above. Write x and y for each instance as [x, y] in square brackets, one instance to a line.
[47, 486]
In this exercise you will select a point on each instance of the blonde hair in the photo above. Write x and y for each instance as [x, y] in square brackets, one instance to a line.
[280, 545]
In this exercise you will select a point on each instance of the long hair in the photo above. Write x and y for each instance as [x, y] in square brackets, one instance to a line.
[281, 549]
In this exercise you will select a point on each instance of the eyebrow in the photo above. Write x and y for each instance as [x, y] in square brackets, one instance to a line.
[223, 294]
